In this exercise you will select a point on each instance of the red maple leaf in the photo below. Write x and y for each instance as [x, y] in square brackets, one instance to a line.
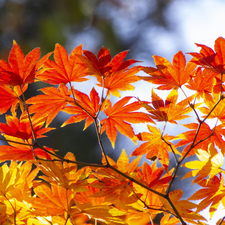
[21, 128]
[114, 74]
[207, 58]
[20, 69]
[10, 98]
[91, 105]
[64, 69]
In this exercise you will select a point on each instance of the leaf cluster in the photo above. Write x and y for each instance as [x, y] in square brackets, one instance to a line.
[121, 192]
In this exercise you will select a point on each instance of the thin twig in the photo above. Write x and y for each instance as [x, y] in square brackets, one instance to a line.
[16, 142]
[221, 221]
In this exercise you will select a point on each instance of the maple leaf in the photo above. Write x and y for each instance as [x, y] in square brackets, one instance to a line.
[207, 58]
[210, 164]
[20, 69]
[152, 176]
[120, 81]
[50, 103]
[166, 220]
[140, 218]
[119, 115]
[20, 150]
[202, 82]
[87, 196]
[169, 76]
[155, 147]
[10, 98]
[52, 200]
[218, 86]
[64, 69]
[114, 74]
[204, 133]
[209, 194]
[214, 112]
[91, 105]
[105, 213]
[15, 191]
[115, 187]
[170, 110]
[21, 128]
[65, 174]
[102, 65]
[123, 163]
[19, 134]
[184, 207]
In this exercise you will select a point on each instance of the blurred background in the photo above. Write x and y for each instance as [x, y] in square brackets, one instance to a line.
[145, 27]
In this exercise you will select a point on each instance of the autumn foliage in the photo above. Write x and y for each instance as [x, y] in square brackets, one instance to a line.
[40, 187]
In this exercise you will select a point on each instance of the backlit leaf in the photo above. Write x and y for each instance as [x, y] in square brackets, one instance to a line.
[169, 76]
[64, 69]
[119, 118]
[21, 69]
[207, 58]
[170, 110]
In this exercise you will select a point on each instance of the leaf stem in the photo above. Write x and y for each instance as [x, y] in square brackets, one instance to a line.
[191, 105]
[135, 181]
[77, 104]
[28, 114]
[100, 141]
[61, 159]
[16, 142]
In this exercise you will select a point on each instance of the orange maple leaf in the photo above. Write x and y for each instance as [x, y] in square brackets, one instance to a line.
[19, 134]
[21, 128]
[52, 199]
[64, 69]
[119, 115]
[202, 82]
[207, 58]
[166, 220]
[22, 151]
[50, 103]
[155, 147]
[20, 69]
[10, 98]
[152, 176]
[184, 207]
[115, 187]
[170, 110]
[120, 81]
[204, 133]
[169, 76]
[105, 213]
[65, 174]
[211, 194]
[91, 105]
[211, 111]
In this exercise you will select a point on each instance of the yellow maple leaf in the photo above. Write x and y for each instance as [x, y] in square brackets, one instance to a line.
[209, 164]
